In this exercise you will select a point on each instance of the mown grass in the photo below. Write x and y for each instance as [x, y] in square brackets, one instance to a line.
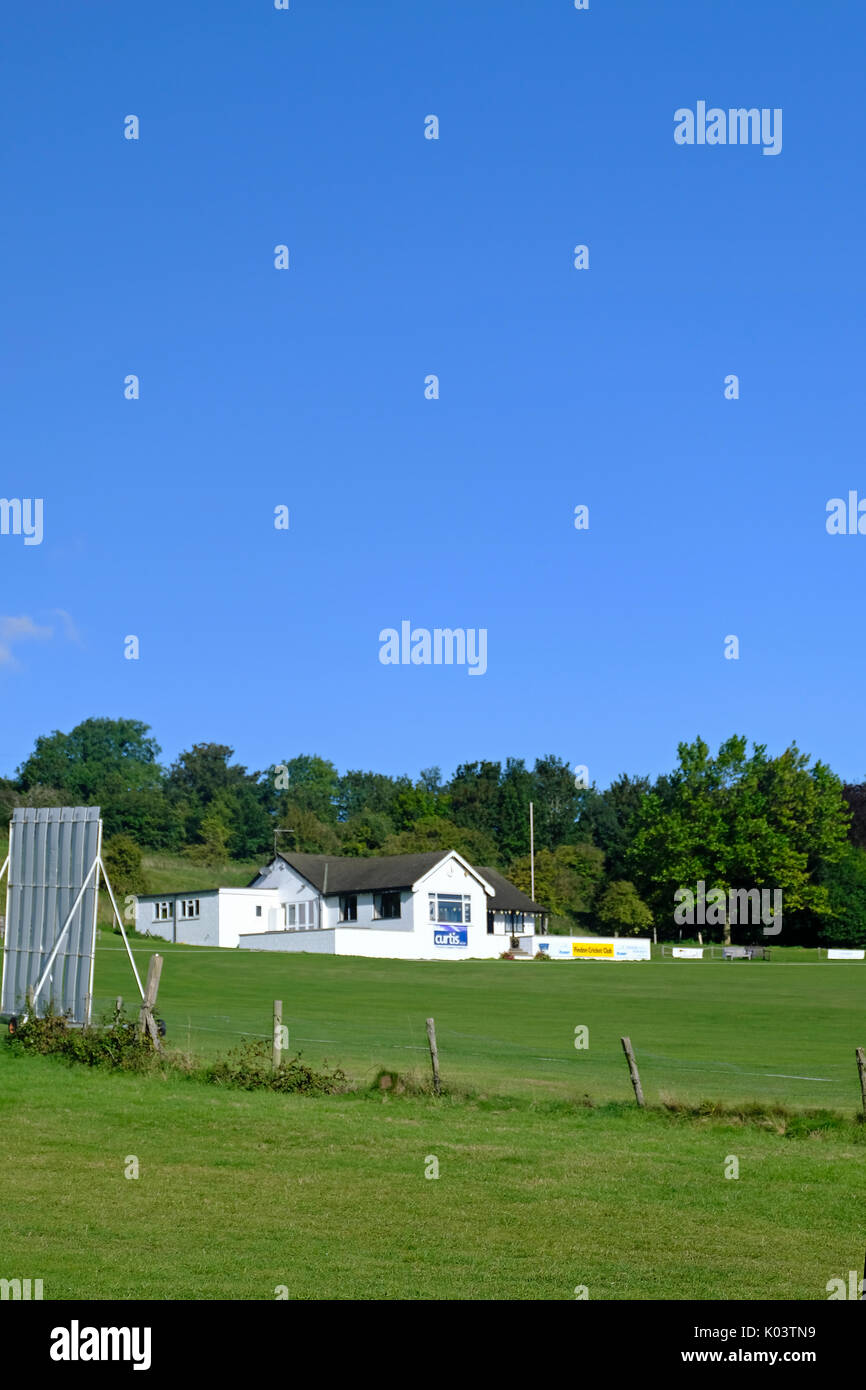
[241, 1193]
[734, 1032]
[549, 1177]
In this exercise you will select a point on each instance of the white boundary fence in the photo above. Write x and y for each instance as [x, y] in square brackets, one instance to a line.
[716, 952]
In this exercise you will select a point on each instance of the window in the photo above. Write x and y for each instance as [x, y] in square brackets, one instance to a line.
[348, 907]
[450, 907]
[387, 905]
[302, 914]
[188, 907]
[291, 914]
[258, 912]
[162, 912]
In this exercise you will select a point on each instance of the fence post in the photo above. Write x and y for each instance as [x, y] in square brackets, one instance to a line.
[633, 1071]
[434, 1055]
[278, 1033]
[861, 1067]
[146, 1023]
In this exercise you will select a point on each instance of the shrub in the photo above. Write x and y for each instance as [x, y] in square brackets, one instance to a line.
[117, 1044]
[250, 1067]
[506, 955]
[122, 859]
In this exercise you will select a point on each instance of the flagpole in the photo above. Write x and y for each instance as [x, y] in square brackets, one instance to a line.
[532, 851]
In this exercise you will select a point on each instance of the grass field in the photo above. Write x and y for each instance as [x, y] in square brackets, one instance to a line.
[241, 1193]
[549, 1177]
[734, 1031]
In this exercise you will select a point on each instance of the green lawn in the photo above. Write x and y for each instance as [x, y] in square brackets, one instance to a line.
[538, 1193]
[240, 1193]
[734, 1031]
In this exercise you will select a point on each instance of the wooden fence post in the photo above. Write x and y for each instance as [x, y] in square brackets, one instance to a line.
[278, 1032]
[633, 1071]
[434, 1055]
[146, 1022]
[861, 1067]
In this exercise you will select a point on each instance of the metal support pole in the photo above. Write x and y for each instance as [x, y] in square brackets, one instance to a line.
[59, 942]
[120, 924]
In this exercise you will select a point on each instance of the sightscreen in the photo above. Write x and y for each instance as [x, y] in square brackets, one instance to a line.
[51, 849]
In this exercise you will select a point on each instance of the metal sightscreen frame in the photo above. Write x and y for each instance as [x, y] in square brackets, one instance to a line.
[52, 897]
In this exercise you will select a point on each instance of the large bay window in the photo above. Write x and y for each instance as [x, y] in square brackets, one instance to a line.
[450, 907]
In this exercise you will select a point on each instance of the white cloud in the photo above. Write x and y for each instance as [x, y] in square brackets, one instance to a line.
[14, 630]
[71, 631]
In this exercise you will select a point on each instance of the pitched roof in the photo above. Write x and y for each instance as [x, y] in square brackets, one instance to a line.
[350, 875]
[508, 898]
[346, 874]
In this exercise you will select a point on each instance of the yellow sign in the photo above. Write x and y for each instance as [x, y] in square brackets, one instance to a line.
[604, 949]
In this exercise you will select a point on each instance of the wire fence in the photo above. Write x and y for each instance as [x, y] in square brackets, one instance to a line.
[548, 1065]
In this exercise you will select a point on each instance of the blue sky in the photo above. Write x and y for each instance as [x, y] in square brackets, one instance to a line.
[409, 257]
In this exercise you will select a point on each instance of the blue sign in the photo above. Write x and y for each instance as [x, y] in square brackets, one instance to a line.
[450, 936]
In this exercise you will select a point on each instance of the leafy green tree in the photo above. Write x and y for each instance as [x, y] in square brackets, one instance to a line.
[567, 880]
[308, 834]
[251, 825]
[38, 795]
[313, 785]
[122, 859]
[474, 797]
[435, 832]
[621, 909]
[358, 792]
[203, 772]
[212, 847]
[203, 778]
[515, 794]
[607, 818]
[430, 778]
[97, 759]
[556, 802]
[845, 882]
[147, 816]
[739, 821]
[855, 796]
[8, 802]
[416, 803]
[365, 833]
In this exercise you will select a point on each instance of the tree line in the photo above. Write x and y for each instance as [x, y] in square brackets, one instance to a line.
[608, 859]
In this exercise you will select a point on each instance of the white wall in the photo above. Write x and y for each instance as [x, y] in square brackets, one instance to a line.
[451, 877]
[502, 924]
[365, 916]
[291, 886]
[196, 931]
[367, 941]
[223, 914]
[321, 942]
[237, 913]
